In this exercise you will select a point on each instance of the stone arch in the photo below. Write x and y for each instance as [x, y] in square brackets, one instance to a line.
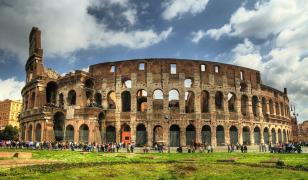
[189, 102]
[125, 133]
[206, 134]
[69, 133]
[284, 136]
[51, 92]
[231, 102]
[71, 97]
[255, 107]
[58, 126]
[158, 99]
[110, 134]
[205, 101]
[174, 99]
[142, 100]
[30, 129]
[98, 99]
[233, 133]
[271, 106]
[273, 132]
[174, 137]
[84, 133]
[126, 101]
[257, 135]
[220, 135]
[219, 100]
[61, 100]
[246, 135]
[244, 105]
[141, 135]
[190, 135]
[157, 134]
[38, 132]
[279, 136]
[264, 106]
[266, 135]
[111, 98]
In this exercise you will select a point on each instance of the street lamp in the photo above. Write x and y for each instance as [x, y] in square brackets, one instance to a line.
[167, 118]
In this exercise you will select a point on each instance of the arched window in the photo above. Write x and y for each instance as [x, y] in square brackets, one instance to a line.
[220, 135]
[205, 100]
[111, 100]
[266, 136]
[277, 109]
[30, 133]
[58, 126]
[158, 97]
[126, 83]
[84, 134]
[271, 106]
[233, 135]
[174, 98]
[255, 109]
[206, 134]
[188, 82]
[69, 133]
[141, 135]
[231, 102]
[246, 135]
[189, 102]
[142, 104]
[126, 101]
[51, 92]
[190, 135]
[98, 99]
[219, 100]
[174, 136]
[257, 135]
[71, 98]
[38, 132]
[243, 87]
[264, 106]
[244, 105]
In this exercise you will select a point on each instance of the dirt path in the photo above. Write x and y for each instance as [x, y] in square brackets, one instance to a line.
[23, 162]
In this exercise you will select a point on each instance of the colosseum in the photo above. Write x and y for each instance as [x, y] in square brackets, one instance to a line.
[146, 101]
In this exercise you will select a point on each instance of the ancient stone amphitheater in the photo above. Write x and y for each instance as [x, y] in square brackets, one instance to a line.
[171, 101]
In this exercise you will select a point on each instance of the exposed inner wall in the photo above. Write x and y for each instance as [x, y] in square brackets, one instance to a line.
[148, 101]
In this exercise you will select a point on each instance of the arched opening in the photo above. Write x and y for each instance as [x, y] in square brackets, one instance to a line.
[51, 92]
[111, 97]
[243, 87]
[189, 102]
[174, 100]
[142, 104]
[89, 88]
[220, 135]
[205, 99]
[158, 99]
[233, 135]
[188, 82]
[264, 107]
[206, 134]
[58, 126]
[219, 100]
[110, 134]
[30, 133]
[100, 119]
[190, 135]
[282, 109]
[32, 99]
[126, 83]
[244, 105]
[277, 109]
[125, 134]
[71, 98]
[23, 133]
[284, 136]
[38, 132]
[231, 102]
[174, 136]
[141, 135]
[266, 136]
[257, 135]
[126, 101]
[69, 133]
[84, 134]
[61, 100]
[255, 108]
[279, 136]
[271, 106]
[157, 134]
[98, 99]
[273, 136]
[246, 135]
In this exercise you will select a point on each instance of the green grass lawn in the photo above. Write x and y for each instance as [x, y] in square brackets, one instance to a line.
[75, 165]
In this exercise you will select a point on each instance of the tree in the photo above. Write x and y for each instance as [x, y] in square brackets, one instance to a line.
[9, 133]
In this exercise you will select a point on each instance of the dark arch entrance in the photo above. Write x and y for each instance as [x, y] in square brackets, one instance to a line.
[174, 136]
[58, 126]
[84, 133]
[206, 134]
[69, 133]
[246, 135]
[233, 135]
[279, 136]
[266, 136]
[157, 134]
[30, 133]
[125, 134]
[257, 135]
[141, 135]
[110, 134]
[38, 132]
[190, 135]
[220, 135]
[273, 136]
[51, 92]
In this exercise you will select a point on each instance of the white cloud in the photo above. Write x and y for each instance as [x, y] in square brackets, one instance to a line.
[197, 36]
[10, 89]
[67, 27]
[177, 8]
[217, 33]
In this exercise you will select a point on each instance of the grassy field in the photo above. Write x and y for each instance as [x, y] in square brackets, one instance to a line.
[76, 165]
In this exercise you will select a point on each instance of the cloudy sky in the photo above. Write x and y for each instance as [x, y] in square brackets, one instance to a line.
[268, 35]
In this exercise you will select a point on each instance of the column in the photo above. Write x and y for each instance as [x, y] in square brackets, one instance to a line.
[227, 135]
[213, 135]
[261, 135]
[240, 135]
[182, 136]
[149, 135]
[198, 133]
[252, 139]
